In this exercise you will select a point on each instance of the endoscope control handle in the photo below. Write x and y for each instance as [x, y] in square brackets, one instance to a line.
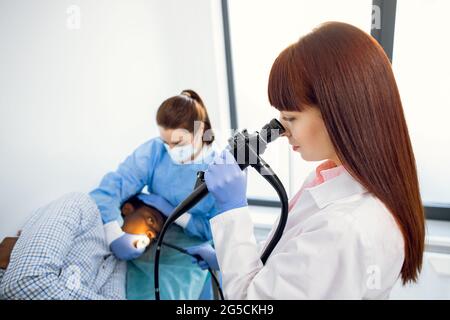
[200, 178]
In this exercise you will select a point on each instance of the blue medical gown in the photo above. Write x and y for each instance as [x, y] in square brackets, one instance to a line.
[151, 166]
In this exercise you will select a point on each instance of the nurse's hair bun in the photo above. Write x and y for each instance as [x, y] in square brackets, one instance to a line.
[192, 94]
[182, 111]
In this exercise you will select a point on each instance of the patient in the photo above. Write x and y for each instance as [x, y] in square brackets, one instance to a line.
[62, 252]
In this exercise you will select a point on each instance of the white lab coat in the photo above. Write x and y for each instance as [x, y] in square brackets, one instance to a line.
[340, 242]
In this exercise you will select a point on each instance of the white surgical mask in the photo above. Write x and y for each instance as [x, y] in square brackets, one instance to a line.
[183, 154]
[180, 154]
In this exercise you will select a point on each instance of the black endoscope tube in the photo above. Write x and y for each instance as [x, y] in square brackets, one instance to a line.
[201, 191]
[270, 176]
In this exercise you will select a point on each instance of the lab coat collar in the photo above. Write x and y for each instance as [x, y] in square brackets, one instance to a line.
[342, 186]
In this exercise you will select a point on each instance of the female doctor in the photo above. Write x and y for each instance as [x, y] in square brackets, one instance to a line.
[167, 165]
[357, 224]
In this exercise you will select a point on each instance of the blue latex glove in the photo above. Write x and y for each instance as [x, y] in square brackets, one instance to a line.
[205, 256]
[157, 202]
[226, 182]
[129, 246]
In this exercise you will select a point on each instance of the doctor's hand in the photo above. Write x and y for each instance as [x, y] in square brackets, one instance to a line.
[204, 256]
[227, 183]
[129, 246]
[125, 246]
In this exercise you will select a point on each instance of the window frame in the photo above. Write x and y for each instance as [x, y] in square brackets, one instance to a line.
[384, 35]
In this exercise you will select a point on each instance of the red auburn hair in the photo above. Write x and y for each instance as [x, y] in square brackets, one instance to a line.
[345, 73]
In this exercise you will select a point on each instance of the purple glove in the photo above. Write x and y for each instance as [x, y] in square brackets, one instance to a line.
[226, 182]
[129, 246]
[205, 256]
[123, 245]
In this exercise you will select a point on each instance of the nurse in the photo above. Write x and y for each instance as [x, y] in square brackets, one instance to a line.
[167, 166]
[357, 224]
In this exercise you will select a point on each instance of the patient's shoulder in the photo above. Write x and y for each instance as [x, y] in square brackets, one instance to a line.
[74, 209]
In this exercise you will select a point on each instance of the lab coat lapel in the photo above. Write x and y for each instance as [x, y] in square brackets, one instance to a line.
[303, 209]
[333, 190]
[315, 199]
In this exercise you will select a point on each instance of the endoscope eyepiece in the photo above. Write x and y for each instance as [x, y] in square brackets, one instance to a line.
[273, 130]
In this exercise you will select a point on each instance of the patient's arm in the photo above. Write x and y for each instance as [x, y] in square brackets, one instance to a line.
[38, 257]
[6, 247]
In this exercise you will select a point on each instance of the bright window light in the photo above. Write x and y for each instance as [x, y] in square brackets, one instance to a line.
[259, 31]
[422, 68]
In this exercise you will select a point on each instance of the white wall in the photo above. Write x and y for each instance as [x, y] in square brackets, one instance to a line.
[75, 102]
